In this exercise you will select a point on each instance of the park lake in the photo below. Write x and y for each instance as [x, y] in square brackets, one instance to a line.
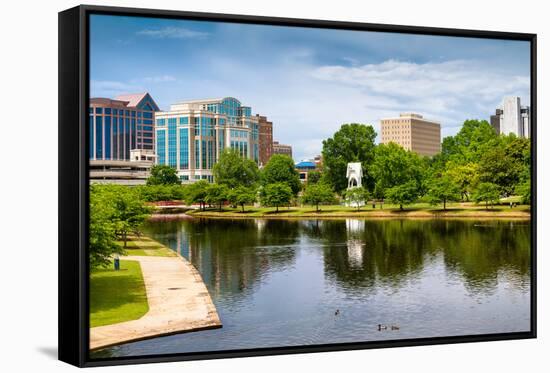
[309, 281]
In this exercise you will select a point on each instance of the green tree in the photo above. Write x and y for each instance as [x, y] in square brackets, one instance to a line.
[155, 193]
[281, 169]
[101, 230]
[524, 190]
[486, 192]
[316, 194]
[196, 193]
[470, 143]
[443, 189]
[313, 177]
[216, 194]
[129, 210]
[464, 175]
[163, 175]
[242, 196]
[505, 162]
[233, 170]
[276, 194]
[399, 174]
[403, 194]
[351, 143]
[356, 196]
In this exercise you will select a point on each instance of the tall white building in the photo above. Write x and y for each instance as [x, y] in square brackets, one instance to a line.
[511, 117]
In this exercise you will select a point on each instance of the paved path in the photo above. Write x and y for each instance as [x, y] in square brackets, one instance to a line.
[178, 302]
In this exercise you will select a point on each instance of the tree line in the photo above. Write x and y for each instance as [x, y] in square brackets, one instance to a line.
[239, 182]
[474, 165]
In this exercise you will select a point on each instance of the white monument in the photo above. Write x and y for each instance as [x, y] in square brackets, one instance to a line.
[354, 174]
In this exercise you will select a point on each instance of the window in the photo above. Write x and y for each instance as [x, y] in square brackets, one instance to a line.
[91, 126]
[197, 154]
[107, 136]
[98, 110]
[127, 143]
[107, 110]
[184, 120]
[221, 140]
[172, 143]
[211, 154]
[203, 154]
[184, 148]
[99, 137]
[161, 122]
[161, 146]
[134, 133]
[115, 138]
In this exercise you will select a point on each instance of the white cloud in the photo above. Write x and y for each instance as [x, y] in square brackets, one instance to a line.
[308, 103]
[110, 88]
[173, 33]
[159, 79]
[441, 88]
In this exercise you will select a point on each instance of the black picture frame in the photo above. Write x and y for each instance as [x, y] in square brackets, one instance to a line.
[73, 183]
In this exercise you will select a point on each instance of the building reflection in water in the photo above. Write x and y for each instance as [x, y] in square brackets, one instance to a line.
[355, 245]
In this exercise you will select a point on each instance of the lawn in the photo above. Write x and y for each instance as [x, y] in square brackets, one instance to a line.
[145, 246]
[117, 296]
[388, 210]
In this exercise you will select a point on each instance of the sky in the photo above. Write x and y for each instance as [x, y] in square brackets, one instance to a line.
[307, 81]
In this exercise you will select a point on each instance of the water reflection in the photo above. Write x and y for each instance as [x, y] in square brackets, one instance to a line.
[279, 282]
[232, 256]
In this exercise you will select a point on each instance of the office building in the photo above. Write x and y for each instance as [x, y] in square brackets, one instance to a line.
[265, 140]
[511, 117]
[191, 136]
[118, 126]
[304, 167]
[413, 133]
[282, 149]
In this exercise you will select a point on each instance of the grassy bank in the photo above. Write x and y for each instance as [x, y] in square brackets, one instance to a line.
[145, 246]
[419, 210]
[117, 296]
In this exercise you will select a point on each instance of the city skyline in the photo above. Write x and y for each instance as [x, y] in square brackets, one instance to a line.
[327, 77]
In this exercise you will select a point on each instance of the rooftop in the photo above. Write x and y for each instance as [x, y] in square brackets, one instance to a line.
[305, 164]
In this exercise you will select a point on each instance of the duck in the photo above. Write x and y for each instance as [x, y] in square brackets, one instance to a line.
[382, 327]
[394, 327]
[337, 312]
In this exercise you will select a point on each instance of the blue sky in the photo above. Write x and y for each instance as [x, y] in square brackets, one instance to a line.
[307, 81]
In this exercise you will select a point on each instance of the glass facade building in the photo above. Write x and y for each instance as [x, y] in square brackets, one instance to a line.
[191, 136]
[118, 126]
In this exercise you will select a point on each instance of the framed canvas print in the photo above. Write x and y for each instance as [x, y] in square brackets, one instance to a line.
[238, 186]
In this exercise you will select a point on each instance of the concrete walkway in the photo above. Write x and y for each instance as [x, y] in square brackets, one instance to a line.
[178, 302]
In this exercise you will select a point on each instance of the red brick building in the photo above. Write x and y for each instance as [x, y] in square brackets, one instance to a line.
[265, 140]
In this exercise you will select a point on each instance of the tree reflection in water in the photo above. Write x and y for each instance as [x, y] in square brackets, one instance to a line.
[359, 255]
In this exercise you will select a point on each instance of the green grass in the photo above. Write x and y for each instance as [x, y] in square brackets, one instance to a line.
[389, 210]
[145, 246]
[117, 296]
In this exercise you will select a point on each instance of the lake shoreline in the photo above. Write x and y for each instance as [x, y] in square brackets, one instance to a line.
[178, 302]
[363, 215]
